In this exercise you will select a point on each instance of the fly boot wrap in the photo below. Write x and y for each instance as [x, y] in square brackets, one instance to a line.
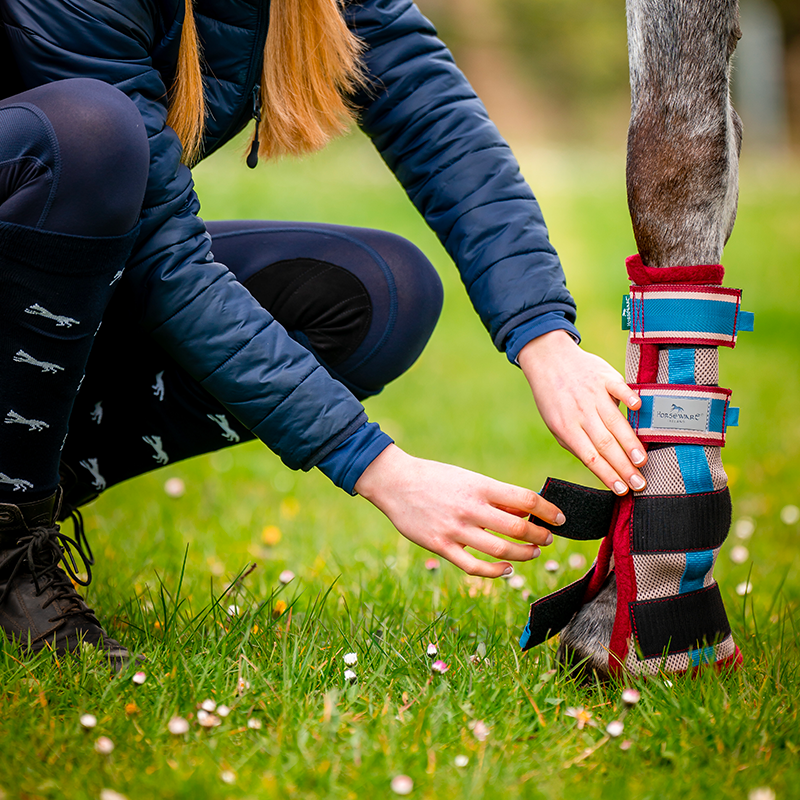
[650, 603]
[39, 607]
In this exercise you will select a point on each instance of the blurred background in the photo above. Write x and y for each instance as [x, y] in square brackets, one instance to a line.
[558, 71]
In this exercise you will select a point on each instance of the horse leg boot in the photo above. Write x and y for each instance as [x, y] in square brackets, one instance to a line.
[650, 601]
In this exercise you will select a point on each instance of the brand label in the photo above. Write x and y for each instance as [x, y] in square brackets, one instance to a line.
[681, 413]
[627, 312]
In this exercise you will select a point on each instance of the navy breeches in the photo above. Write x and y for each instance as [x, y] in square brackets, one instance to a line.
[363, 301]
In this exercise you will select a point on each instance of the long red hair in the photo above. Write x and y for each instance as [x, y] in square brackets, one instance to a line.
[311, 62]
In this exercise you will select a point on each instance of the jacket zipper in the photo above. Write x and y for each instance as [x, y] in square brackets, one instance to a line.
[252, 156]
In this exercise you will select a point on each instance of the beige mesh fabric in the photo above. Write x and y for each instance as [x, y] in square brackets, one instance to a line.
[675, 662]
[662, 473]
[718, 475]
[658, 574]
[632, 355]
[706, 366]
[663, 366]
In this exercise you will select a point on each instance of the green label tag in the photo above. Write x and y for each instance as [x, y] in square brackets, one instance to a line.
[626, 312]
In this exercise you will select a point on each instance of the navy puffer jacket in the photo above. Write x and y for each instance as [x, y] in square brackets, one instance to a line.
[423, 117]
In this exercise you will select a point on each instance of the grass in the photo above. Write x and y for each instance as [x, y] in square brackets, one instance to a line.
[169, 568]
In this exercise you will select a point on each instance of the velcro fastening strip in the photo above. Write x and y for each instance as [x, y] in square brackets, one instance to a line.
[681, 523]
[679, 623]
[684, 314]
[551, 614]
[588, 511]
[682, 414]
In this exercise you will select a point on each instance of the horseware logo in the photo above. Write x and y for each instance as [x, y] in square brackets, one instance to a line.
[61, 322]
[19, 484]
[33, 424]
[22, 357]
[687, 414]
[99, 481]
[155, 442]
[227, 431]
[97, 413]
[158, 386]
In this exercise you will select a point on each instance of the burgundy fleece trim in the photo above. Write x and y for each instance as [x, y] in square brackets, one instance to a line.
[626, 584]
[699, 274]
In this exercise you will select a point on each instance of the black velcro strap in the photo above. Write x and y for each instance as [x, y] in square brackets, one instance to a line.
[679, 623]
[551, 613]
[588, 511]
[680, 523]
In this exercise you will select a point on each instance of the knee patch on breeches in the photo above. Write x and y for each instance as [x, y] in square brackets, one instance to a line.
[661, 544]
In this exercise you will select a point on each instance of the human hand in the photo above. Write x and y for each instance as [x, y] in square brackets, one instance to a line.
[576, 394]
[446, 509]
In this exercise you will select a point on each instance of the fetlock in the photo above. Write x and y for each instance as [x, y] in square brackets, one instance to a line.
[39, 606]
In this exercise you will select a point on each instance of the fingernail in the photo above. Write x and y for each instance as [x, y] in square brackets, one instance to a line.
[560, 519]
[508, 571]
[637, 456]
[536, 552]
[632, 401]
[637, 482]
[620, 488]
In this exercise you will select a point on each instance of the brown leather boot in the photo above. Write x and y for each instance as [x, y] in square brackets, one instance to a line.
[39, 606]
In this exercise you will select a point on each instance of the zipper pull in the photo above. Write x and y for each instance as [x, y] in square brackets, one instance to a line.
[252, 156]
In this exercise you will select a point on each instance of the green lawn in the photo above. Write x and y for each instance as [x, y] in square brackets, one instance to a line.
[296, 728]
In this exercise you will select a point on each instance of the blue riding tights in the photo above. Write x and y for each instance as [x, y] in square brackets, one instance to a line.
[108, 404]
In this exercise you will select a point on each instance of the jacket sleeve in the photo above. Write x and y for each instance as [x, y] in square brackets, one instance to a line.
[435, 135]
[190, 304]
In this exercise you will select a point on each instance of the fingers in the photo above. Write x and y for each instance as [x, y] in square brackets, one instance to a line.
[474, 566]
[515, 499]
[619, 426]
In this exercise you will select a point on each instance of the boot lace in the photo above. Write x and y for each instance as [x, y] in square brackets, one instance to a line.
[41, 549]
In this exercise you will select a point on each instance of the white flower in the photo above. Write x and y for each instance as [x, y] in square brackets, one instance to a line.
[139, 678]
[790, 515]
[174, 487]
[242, 686]
[461, 761]
[223, 711]
[577, 561]
[631, 697]
[402, 784]
[350, 659]
[432, 650]
[177, 725]
[287, 576]
[614, 728]
[350, 676]
[88, 721]
[207, 720]
[110, 794]
[227, 776]
[581, 716]
[739, 554]
[233, 610]
[104, 745]
[254, 724]
[761, 793]
[432, 564]
[744, 528]
[743, 588]
[526, 594]
[516, 581]
[480, 730]
[440, 667]
[551, 565]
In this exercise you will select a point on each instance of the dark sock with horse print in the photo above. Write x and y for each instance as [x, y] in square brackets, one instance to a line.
[66, 230]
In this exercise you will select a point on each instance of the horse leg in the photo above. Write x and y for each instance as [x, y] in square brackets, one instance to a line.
[682, 180]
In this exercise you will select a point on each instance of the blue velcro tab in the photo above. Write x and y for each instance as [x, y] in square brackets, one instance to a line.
[732, 418]
[746, 321]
